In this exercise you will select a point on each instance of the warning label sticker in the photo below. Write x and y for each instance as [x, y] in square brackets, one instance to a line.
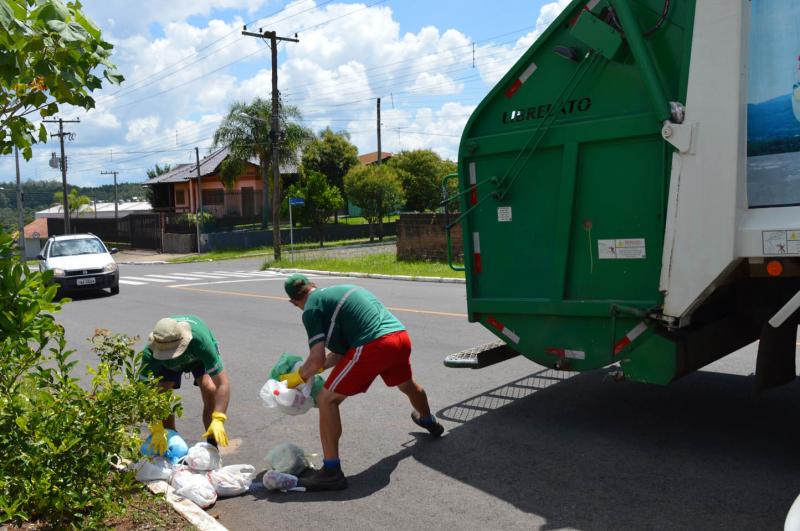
[504, 213]
[781, 241]
[626, 248]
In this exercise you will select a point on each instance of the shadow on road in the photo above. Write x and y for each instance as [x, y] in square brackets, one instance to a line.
[587, 452]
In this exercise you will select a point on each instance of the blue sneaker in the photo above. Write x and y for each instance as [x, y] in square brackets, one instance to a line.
[434, 428]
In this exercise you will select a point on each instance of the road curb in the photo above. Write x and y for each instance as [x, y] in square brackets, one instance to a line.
[442, 280]
[154, 262]
[191, 512]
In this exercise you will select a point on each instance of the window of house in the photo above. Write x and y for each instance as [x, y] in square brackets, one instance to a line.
[180, 197]
[214, 197]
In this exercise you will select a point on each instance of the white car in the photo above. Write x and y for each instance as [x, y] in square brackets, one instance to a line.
[80, 262]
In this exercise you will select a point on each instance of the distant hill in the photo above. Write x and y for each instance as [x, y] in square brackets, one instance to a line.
[39, 196]
[772, 127]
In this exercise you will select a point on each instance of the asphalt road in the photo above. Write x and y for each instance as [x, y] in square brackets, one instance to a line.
[526, 447]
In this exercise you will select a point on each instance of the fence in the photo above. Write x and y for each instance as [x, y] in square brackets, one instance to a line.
[141, 231]
[212, 241]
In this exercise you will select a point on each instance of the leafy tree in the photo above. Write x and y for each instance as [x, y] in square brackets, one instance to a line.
[421, 172]
[247, 132]
[377, 190]
[322, 200]
[332, 155]
[49, 54]
[57, 436]
[158, 170]
[75, 201]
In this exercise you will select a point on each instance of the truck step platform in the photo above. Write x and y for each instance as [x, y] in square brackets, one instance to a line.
[480, 356]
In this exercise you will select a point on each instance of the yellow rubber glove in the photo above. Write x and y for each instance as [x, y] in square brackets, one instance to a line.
[158, 438]
[217, 428]
[293, 379]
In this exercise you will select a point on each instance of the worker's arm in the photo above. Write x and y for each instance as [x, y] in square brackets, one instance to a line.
[315, 362]
[332, 359]
[222, 395]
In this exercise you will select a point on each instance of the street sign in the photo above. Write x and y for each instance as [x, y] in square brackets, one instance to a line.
[295, 201]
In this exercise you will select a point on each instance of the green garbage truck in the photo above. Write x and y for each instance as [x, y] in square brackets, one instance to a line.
[629, 192]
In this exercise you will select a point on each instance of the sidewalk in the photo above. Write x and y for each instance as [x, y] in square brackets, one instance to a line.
[145, 256]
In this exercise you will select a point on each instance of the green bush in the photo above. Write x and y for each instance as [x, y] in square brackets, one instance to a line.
[57, 438]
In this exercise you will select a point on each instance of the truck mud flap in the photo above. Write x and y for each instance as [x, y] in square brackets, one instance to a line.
[775, 364]
[480, 356]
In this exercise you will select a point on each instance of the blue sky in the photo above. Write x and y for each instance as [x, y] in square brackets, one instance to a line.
[185, 61]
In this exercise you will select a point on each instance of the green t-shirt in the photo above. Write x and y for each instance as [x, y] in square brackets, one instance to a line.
[203, 348]
[346, 316]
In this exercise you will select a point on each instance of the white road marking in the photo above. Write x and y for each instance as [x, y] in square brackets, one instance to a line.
[131, 282]
[145, 279]
[173, 277]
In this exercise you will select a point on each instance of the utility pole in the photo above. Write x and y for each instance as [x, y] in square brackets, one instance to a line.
[275, 134]
[20, 219]
[61, 134]
[379, 132]
[199, 216]
[114, 173]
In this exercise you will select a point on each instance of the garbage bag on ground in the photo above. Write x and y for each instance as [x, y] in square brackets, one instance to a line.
[194, 487]
[288, 458]
[176, 447]
[203, 456]
[275, 480]
[290, 363]
[153, 469]
[232, 480]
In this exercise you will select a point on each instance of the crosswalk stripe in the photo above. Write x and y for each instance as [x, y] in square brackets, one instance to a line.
[205, 275]
[145, 279]
[173, 277]
[131, 282]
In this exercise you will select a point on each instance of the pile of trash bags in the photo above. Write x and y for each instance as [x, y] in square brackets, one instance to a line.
[275, 394]
[195, 473]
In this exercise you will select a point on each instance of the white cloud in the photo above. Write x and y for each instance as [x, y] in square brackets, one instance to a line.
[181, 76]
[495, 61]
[142, 128]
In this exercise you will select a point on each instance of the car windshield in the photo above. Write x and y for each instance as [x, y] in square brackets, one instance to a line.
[76, 247]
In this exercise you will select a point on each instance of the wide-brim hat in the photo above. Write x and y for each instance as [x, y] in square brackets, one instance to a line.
[169, 339]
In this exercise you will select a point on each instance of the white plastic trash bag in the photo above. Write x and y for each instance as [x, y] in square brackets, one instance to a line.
[288, 458]
[194, 487]
[295, 401]
[232, 480]
[153, 469]
[203, 456]
[274, 480]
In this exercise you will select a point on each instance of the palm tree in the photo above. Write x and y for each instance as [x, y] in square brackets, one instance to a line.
[247, 132]
[75, 201]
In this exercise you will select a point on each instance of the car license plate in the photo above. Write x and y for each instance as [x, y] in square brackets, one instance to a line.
[86, 281]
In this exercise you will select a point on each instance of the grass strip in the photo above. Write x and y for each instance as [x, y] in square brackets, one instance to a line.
[232, 254]
[379, 263]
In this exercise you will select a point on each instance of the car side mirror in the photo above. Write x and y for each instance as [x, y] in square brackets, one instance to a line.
[114, 250]
[40, 256]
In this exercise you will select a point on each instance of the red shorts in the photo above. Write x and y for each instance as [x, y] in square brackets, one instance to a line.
[388, 356]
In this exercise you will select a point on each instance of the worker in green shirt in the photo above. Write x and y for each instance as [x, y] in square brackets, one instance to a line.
[184, 344]
[364, 341]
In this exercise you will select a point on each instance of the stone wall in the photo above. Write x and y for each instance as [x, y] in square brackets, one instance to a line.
[179, 243]
[422, 237]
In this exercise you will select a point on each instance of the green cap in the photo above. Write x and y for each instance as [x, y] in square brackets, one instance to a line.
[294, 285]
